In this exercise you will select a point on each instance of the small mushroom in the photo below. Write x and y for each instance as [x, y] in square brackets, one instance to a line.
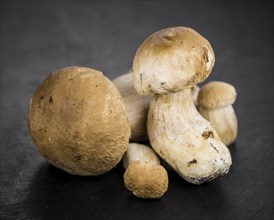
[144, 175]
[168, 63]
[136, 107]
[78, 122]
[215, 104]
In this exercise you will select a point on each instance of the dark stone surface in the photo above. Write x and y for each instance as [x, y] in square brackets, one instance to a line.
[38, 37]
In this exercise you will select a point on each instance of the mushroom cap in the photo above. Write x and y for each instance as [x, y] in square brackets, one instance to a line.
[171, 60]
[217, 94]
[146, 180]
[77, 121]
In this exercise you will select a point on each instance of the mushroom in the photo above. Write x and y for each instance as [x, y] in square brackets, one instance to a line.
[215, 104]
[144, 175]
[168, 63]
[136, 107]
[78, 122]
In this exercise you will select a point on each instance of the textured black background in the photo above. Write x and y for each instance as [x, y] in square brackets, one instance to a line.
[38, 37]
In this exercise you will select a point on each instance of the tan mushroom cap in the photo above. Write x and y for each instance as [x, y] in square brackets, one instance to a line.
[172, 59]
[78, 122]
[217, 94]
[146, 180]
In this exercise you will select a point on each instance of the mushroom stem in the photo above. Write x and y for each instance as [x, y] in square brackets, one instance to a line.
[139, 152]
[197, 153]
[195, 92]
[136, 107]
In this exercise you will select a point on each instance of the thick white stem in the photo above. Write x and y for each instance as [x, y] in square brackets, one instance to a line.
[136, 107]
[182, 137]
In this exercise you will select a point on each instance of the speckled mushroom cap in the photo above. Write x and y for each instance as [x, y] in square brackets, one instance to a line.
[170, 60]
[146, 180]
[217, 94]
[78, 122]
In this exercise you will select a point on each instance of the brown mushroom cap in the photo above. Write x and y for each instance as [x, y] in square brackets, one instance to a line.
[172, 59]
[146, 180]
[78, 122]
[217, 94]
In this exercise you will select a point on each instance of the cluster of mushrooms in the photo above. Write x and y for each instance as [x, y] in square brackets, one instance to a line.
[85, 124]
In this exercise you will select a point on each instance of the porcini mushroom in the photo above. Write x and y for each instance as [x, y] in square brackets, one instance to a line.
[215, 104]
[136, 107]
[168, 63]
[78, 122]
[144, 175]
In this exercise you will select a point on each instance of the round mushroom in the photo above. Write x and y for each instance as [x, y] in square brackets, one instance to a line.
[144, 175]
[168, 63]
[78, 122]
[215, 104]
[136, 107]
